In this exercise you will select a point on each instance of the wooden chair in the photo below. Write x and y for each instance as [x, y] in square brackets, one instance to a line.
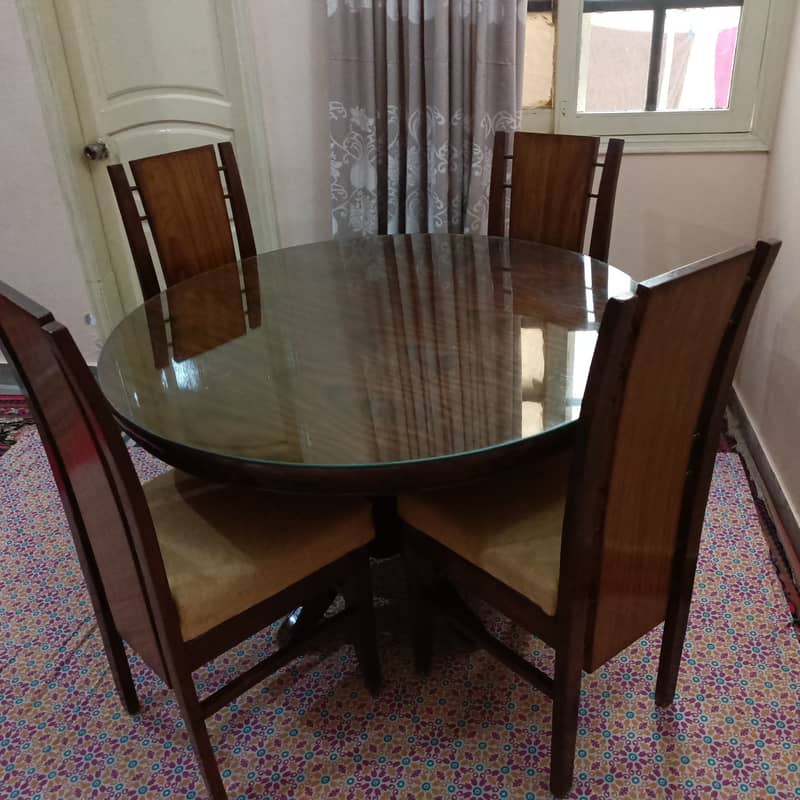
[180, 569]
[184, 203]
[594, 548]
[552, 179]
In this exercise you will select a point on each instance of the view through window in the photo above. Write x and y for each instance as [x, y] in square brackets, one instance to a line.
[658, 57]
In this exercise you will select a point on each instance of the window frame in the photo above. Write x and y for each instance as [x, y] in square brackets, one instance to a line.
[748, 123]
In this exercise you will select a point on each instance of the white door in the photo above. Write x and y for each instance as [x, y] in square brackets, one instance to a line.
[151, 76]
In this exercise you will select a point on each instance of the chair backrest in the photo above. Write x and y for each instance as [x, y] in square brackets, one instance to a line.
[183, 200]
[101, 494]
[647, 442]
[551, 187]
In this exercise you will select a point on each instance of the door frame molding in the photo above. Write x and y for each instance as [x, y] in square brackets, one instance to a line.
[254, 135]
[56, 94]
[64, 134]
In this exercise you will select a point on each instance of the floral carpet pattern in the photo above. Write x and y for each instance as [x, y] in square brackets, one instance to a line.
[472, 729]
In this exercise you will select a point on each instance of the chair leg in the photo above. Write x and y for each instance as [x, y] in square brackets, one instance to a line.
[669, 662]
[566, 702]
[192, 714]
[120, 668]
[420, 611]
[358, 595]
[112, 641]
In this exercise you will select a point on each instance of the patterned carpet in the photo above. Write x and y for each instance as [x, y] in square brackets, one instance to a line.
[470, 730]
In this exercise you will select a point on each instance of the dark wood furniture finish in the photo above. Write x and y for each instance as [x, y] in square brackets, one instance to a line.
[550, 183]
[636, 492]
[380, 364]
[184, 202]
[116, 540]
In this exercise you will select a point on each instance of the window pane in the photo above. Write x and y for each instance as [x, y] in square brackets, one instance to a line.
[694, 71]
[615, 60]
[540, 43]
[697, 59]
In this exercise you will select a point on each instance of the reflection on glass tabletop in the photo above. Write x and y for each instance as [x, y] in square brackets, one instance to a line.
[362, 352]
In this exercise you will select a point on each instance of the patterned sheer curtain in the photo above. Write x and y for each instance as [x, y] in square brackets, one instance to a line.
[417, 90]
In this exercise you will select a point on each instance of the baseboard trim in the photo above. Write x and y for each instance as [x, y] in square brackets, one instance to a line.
[786, 523]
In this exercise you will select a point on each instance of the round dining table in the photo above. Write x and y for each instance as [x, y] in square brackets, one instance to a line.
[367, 366]
[364, 366]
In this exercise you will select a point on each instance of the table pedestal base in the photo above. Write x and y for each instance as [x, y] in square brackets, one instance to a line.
[387, 543]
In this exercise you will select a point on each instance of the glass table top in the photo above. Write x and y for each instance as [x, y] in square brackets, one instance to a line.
[376, 351]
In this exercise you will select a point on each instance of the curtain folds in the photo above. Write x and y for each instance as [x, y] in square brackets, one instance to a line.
[417, 90]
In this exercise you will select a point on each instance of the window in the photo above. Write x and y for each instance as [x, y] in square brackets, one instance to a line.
[666, 74]
[656, 58]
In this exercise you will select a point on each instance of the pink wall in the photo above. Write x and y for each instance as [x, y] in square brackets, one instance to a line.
[768, 381]
[672, 209]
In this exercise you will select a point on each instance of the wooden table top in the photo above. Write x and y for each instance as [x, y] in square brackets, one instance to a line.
[368, 366]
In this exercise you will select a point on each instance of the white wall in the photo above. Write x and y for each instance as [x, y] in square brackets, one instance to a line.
[38, 254]
[768, 381]
[291, 42]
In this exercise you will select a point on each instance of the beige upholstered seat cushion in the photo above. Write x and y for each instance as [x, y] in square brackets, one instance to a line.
[226, 548]
[508, 525]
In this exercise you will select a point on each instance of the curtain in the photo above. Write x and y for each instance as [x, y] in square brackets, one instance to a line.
[417, 90]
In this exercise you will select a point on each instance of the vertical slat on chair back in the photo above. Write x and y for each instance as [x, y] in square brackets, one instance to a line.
[184, 202]
[600, 243]
[551, 185]
[102, 497]
[689, 333]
